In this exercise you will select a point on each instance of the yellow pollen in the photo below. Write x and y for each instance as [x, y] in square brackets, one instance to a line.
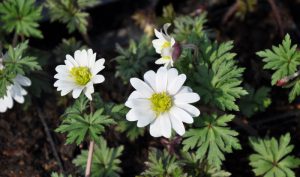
[166, 45]
[161, 102]
[166, 57]
[82, 75]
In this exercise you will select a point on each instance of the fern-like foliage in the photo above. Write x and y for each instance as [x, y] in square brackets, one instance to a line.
[133, 61]
[272, 159]
[162, 164]
[212, 138]
[16, 62]
[200, 168]
[78, 126]
[21, 17]
[218, 78]
[186, 25]
[284, 60]
[105, 162]
[70, 12]
[256, 101]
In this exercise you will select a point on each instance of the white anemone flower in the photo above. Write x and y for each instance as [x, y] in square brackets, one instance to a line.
[15, 91]
[162, 101]
[79, 74]
[164, 46]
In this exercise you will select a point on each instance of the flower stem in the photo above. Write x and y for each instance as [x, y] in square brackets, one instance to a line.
[15, 39]
[89, 160]
[91, 150]
[193, 47]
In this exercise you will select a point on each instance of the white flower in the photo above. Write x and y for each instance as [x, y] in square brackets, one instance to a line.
[79, 74]
[164, 46]
[14, 92]
[162, 101]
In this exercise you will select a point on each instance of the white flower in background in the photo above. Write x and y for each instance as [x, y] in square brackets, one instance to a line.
[162, 101]
[164, 45]
[14, 92]
[79, 74]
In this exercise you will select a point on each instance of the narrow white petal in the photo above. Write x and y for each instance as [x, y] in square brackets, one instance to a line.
[150, 79]
[99, 65]
[141, 87]
[71, 60]
[186, 98]
[155, 129]
[132, 115]
[145, 118]
[161, 80]
[165, 125]
[190, 109]
[182, 115]
[177, 125]
[139, 103]
[98, 79]
[176, 84]
[22, 80]
[76, 92]
[185, 89]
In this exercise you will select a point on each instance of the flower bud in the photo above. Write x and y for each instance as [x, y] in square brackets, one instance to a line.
[281, 82]
[176, 51]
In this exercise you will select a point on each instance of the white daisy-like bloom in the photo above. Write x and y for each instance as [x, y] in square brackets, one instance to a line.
[15, 91]
[162, 101]
[164, 46]
[79, 74]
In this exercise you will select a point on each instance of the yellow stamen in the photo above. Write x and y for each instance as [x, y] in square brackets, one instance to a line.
[166, 45]
[82, 75]
[166, 57]
[161, 102]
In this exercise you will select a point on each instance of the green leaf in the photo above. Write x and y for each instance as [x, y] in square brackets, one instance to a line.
[162, 164]
[283, 59]
[16, 62]
[212, 138]
[133, 61]
[70, 12]
[106, 161]
[217, 77]
[79, 127]
[21, 17]
[271, 158]
[198, 167]
[256, 100]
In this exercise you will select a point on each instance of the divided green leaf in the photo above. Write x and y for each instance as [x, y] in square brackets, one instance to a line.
[271, 157]
[106, 161]
[212, 138]
[21, 17]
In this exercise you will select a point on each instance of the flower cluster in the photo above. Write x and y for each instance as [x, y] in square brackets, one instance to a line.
[161, 100]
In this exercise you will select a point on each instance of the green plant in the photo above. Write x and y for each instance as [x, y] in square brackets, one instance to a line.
[21, 17]
[284, 60]
[212, 138]
[105, 162]
[272, 159]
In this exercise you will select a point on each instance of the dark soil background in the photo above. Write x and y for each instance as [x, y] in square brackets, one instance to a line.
[24, 148]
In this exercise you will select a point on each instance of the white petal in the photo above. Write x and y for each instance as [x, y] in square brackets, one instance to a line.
[177, 125]
[190, 109]
[76, 92]
[155, 129]
[98, 79]
[71, 60]
[157, 44]
[176, 84]
[19, 98]
[185, 89]
[138, 103]
[132, 115]
[186, 98]
[182, 115]
[165, 125]
[145, 118]
[81, 57]
[22, 80]
[61, 69]
[99, 65]
[161, 80]
[91, 58]
[150, 79]
[141, 87]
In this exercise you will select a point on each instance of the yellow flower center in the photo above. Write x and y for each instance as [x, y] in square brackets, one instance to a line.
[161, 102]
[166, 45]
[166, 57]
[82, 75]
